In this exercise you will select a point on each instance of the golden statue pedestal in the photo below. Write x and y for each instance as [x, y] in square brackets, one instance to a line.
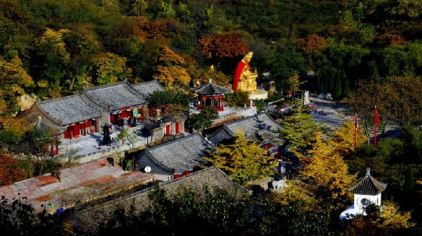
[248, 84]
[259, 94]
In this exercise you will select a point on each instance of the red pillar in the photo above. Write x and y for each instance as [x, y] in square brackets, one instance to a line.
[177, 127]
[168, 129]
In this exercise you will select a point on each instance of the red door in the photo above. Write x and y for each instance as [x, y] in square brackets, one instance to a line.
[177, 127]
[68, 132]
[76, 130]
[168, 129]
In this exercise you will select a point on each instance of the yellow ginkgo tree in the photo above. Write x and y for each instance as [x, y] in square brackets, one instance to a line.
[243, 161]
[173, 71]
[323, 176]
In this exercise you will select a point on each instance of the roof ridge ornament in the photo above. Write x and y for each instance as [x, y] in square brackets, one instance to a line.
[368, 172]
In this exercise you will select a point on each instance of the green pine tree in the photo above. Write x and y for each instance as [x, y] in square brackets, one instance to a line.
[299, 131]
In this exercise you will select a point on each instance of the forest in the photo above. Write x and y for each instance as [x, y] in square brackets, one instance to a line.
[363, 52]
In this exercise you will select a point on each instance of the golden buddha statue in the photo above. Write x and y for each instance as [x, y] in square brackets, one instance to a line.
[244, 78]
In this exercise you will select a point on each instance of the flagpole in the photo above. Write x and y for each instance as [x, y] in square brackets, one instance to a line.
[356, 130]
[376, 121]
[375, 134]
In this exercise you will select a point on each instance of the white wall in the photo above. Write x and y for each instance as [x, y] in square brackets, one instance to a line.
[375, 199]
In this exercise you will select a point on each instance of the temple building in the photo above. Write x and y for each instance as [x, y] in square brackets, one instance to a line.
[211, 95]
[76, 185]
[78, 115]
[174, 159]
[260, 127]
[366, 192]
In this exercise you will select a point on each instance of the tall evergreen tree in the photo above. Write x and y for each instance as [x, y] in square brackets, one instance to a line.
[299, 131]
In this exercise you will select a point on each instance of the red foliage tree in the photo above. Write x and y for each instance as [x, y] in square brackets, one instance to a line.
[390, 39]
[222, 45]
[9, 170]
[143, 28]
[311, 43]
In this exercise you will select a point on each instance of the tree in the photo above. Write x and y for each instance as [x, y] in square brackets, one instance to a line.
[326, 175]
[310, 45]
[138, 7]
[218, 47]
[343, 139]
[386, 221]
[396, 99]
[10, 171]
[243, 161]
[216, 213]
[299, 131]
[172, 72]
[82, 42]
[14, 82]
[237, 99]
[52, 60]
[123, 135]
[161, 99]
[285, 62]
[203, 119]
[294, 83]
[13, 129]
[19, 217]
[109, 68]
[339, 66]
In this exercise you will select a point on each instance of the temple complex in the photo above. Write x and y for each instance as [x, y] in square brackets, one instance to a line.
[120, 104]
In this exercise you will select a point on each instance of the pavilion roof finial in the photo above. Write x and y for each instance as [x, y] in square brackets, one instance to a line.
[368, 172]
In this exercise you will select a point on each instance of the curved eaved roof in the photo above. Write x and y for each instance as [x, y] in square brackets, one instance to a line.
[210, 89]
[368, 186]
[115, 96]
[148, 88]
[249, 125]
[68, 110]
[94, 101]
[180, 154]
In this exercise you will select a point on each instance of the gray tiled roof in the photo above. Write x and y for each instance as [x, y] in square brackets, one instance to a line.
[368, 186]
[82, 183]
[210, 88]
[70, 109]
[210, 179]
[180, 154]
[148, 88]
[115, 96]
[249, 125]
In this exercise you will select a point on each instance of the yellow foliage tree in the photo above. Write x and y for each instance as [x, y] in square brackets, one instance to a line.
[391, 217]
[53, 40]
[295, 190]
[173, 69]
[13, 82]
[294, 83]
[109, 68]
[243, 161]
[15, 125]
[327, 176]
[324, 175]
[388, 221]
[343, 139]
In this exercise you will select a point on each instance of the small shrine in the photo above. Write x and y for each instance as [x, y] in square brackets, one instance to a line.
[211, 95]
[366, 192]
